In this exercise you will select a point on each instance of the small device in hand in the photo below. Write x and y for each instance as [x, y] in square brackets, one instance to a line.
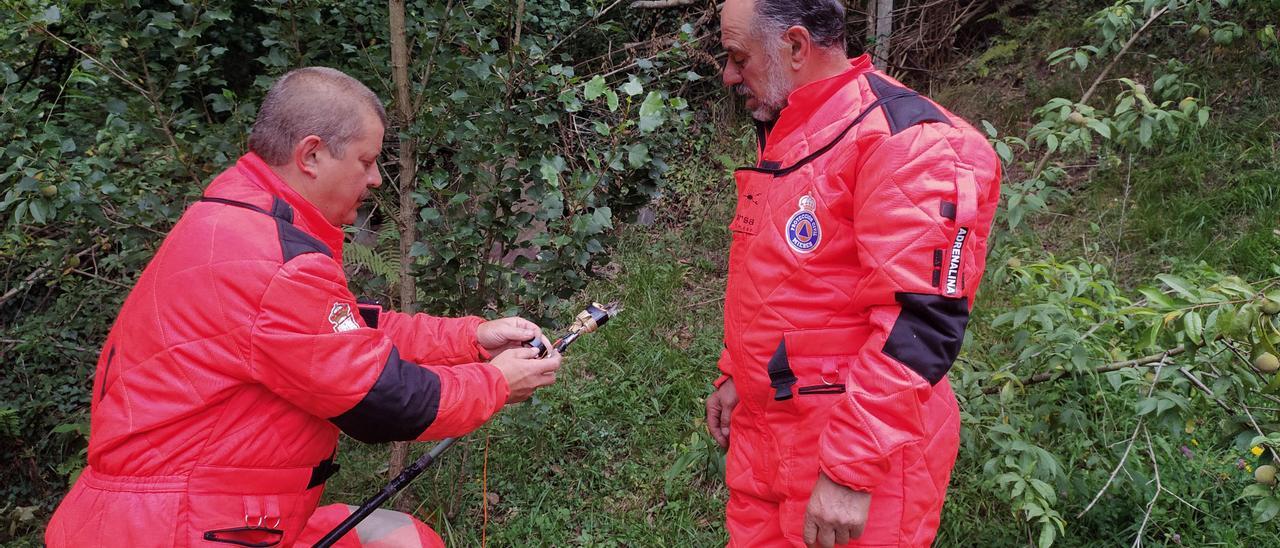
[587, 321]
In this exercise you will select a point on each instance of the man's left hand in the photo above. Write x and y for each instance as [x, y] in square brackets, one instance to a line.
[836, 514]
[504, 334]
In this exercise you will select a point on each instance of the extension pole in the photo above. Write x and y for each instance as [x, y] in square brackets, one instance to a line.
[587, 321]
[399, 483]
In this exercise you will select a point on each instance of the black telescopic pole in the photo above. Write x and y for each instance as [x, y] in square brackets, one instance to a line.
[587, 321]
[397, 484]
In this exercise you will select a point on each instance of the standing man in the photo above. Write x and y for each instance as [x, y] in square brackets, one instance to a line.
[241, 353]
[858, 243]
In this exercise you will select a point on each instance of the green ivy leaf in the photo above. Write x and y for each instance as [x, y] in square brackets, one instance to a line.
[569, 98]
[52, 15]
[601, 219]
[652, 112]
[632, 87]
[612, 98]
[637, 155]
[594, 88]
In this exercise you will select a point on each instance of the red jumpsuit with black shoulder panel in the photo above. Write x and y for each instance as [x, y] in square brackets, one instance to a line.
[236, 359]
[859, 240]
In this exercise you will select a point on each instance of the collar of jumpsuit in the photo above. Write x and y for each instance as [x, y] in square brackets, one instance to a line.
[804, 101]
[305, 215]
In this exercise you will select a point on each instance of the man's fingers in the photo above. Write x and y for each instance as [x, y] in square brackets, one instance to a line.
[524, 353]
[726, 414]
[810, 530]
[842, 535]
[826, 536]
[713, 420]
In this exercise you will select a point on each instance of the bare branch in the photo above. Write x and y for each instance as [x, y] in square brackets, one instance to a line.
[1137, 541]
[1055, 375]
[1129, 447]
[659, 4]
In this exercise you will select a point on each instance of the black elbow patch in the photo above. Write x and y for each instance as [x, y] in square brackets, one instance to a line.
[928, 333]
[401, 405]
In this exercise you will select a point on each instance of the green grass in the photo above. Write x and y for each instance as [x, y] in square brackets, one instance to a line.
[583, 463]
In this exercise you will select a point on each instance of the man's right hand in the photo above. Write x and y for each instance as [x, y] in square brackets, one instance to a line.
[720, 405]
[525, 372]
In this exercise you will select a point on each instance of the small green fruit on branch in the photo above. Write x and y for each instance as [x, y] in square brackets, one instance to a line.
[1266, 362]
[1265, 474]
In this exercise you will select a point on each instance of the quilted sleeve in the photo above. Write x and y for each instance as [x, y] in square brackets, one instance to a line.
[308, 347]
[922, 203]
[429, 339]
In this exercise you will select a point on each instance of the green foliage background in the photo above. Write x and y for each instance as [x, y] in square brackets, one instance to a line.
[1143, 227]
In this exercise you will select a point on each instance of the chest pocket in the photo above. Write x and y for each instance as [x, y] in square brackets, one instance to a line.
[753, 187]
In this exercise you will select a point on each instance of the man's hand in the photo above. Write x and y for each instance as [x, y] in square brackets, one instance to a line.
[836, 514]
[507, 333]
[525, 372]
[720, 405]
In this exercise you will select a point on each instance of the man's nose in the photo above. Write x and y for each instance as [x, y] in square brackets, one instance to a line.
[730, 76]
[375, 178]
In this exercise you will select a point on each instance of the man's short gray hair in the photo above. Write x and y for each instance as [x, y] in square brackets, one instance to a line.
[316, 101]
[824, 19]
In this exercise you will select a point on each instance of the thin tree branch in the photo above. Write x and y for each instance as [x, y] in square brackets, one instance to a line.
[1055, 375]
[1133, 437]
[659, 4]
[1137, 541]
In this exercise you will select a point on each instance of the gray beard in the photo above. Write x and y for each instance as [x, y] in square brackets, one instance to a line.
[773, 97]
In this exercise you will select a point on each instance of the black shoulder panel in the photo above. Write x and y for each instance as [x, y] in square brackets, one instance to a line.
[293, 241]
[928, 333]
[905, 112]
[401, 405]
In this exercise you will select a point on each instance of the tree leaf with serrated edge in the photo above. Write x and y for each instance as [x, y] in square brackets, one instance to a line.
[1193, 326]
[1047, 535]
[1156, 298]
[1180, 285]
[1253, 491]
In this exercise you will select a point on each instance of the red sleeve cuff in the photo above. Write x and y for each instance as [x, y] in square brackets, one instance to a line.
[719, 381]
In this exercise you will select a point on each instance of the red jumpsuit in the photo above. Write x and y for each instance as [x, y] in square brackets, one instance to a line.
[234, 363]
[858, 243]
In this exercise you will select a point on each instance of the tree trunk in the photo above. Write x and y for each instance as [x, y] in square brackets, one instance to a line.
[883, 30]
[407, 218]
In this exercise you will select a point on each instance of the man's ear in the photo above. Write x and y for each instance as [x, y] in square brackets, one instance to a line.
[305, 155]
[799, 46]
